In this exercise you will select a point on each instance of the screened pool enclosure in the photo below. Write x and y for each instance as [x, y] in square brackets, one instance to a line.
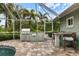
[35, 31]
[30, 29]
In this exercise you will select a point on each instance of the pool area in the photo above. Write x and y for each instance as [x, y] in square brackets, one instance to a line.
[35, 32]
[7, 50]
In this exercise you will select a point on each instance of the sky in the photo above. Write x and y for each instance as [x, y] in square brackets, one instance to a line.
[57, 7]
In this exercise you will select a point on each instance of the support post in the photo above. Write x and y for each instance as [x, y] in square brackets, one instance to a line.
[44, 27]
[13, 29]
[20, 29]
[37, 26]
[57, 41]
[52, 26]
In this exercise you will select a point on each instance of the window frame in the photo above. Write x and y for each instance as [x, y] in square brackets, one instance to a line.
[67, 23]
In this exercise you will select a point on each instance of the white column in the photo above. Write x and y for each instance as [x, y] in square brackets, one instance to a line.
[20, 29]
[52, 26]
[44, 27]
[13, 29]
[37, 26]
[57, 42]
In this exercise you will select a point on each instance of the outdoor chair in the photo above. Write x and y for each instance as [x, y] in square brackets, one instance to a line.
[69, 38]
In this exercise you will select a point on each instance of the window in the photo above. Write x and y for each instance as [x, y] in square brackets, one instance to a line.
[70, 22]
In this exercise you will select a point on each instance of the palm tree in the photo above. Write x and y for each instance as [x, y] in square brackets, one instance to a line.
[24, 13]
[28, 14]
[42, 16]
[32, 14]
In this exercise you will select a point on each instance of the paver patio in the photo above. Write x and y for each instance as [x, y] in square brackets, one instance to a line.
[45, 48]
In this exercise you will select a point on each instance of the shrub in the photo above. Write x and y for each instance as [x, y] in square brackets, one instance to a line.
[17, 36]
[8, 36]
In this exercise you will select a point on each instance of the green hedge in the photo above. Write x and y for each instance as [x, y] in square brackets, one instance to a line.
[9, 36]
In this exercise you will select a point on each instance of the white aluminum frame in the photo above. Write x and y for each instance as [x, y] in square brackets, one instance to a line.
[69, 26]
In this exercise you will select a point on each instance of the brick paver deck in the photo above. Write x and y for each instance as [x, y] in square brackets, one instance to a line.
[45, 48]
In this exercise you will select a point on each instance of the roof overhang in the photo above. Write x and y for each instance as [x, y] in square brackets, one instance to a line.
[69, 10]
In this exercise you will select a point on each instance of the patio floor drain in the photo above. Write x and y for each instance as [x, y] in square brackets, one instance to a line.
[7, 50]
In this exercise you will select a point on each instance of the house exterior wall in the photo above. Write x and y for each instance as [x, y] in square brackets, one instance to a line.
[75, 28]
